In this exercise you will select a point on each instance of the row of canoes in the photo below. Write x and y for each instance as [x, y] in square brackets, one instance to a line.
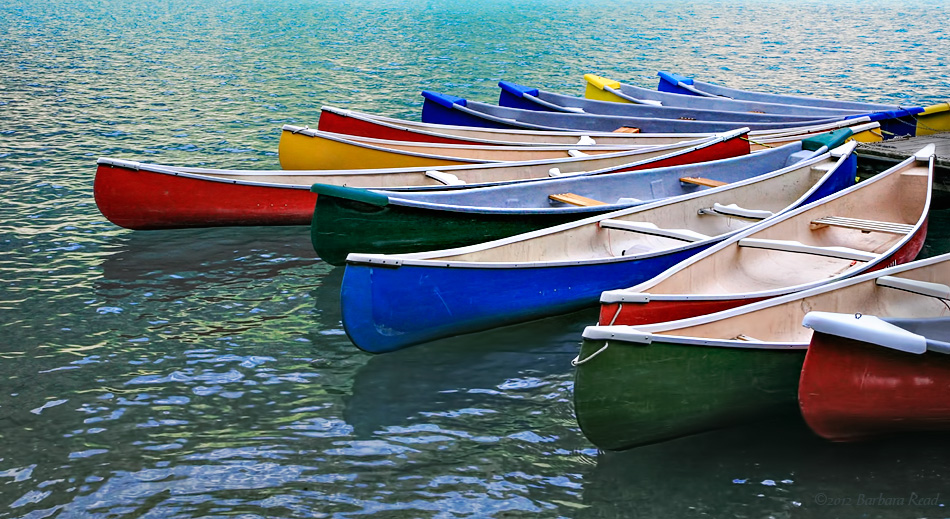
[486, 215]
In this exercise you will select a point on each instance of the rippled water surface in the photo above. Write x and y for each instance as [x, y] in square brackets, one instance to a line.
[205, 373]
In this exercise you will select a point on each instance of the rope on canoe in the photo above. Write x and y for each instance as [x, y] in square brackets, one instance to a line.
[750, 141]
[619, 308]
[577, 360]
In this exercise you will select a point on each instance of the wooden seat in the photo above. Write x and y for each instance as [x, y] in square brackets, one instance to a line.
[571, 198]
[653, 230]
[861, 225]
[799, 247]
[700, 181]
[627, 129]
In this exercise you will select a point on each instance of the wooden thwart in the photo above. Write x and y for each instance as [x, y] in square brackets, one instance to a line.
[861, 225]
[571, 198]
[700, 181]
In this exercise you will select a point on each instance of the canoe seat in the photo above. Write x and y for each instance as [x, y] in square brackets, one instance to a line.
[700, 181]
[864, 226]
[734, 211]
[445, 178]
[577, 153]
[797, 246]
[924, 288]
[653, 230]
[627, 129]
[586, 140]
[571, 198]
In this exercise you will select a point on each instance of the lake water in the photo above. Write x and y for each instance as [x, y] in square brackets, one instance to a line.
[205, 373]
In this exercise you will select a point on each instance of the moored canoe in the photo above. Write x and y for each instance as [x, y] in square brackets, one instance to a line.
[865, 377]
[448, 109]
[881, 221]
[371, 125]
[386, 222]
[932, 119]
[563, 268]
[728, 367]
[147, 196]
[316, 149]
[524, 97]
[604, 89]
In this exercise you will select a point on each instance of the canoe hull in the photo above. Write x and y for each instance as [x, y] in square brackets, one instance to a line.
[147, 200]
[852, 390]
[437, 302]
[635, 394]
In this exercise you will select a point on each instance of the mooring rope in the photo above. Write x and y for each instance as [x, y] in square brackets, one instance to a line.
[578, 362]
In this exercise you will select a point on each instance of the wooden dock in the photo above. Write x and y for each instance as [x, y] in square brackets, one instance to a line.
[878, 156]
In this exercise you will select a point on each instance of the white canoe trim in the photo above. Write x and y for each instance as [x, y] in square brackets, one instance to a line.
[938, 290]
[866, 328]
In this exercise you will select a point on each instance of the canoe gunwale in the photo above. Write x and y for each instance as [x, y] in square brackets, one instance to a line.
[637, 338]
[166, 170]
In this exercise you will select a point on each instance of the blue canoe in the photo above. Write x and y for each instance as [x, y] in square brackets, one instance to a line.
[678, 84]
[394, 301]
[451, 110]
[523, 97]
[605, 89]
[922, 121]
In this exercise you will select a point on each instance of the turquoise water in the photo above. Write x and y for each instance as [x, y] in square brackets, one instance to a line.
[205, 373]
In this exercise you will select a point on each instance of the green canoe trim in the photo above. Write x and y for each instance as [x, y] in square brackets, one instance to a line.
[832, 139]
[351, 193]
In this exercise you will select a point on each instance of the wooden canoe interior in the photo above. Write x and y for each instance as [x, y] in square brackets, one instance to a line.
[784, 322]
[871, 220]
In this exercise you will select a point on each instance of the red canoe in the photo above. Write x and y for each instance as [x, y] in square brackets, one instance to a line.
[865, 377]
[147, 196]
[878, 223]
[361, 124]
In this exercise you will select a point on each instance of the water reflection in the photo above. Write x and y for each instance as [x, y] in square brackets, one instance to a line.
[213, 254]
[470, 378]
[778, 469]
